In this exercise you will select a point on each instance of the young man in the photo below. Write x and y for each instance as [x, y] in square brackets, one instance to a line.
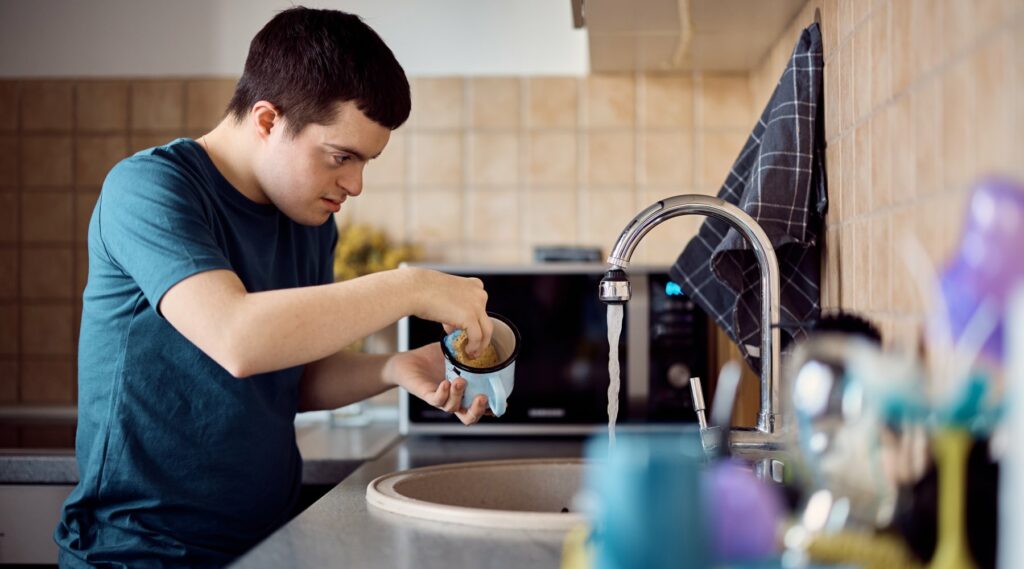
[210, 316]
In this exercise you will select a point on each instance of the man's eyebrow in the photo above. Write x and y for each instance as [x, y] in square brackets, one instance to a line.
[351, 151]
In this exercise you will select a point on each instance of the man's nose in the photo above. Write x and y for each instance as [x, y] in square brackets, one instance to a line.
[352, 184]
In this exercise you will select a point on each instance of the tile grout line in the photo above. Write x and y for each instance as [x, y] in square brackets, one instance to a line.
[525, 177]
[639, 140]
[406, 192]
[468, 154]
[20, 179]
[75, 326]
[582, 149]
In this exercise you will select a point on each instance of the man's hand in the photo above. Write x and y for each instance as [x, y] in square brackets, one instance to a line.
[456, 302]
[421, 372]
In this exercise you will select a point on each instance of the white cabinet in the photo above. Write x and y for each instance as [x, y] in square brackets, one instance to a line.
[682, 35]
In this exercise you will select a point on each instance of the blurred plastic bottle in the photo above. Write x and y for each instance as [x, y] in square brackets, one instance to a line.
[989, 260]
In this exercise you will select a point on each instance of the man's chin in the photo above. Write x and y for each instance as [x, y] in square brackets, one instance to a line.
[311, 219]
[328, 217]
[322, 219]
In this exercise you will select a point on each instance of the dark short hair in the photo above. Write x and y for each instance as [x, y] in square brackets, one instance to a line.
[306, 61]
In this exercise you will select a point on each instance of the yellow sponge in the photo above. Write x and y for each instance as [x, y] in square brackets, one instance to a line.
[487, 358]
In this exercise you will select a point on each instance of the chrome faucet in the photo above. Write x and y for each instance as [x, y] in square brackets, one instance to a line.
[614, 289]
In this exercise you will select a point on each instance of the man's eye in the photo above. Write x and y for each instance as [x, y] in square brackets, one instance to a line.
[341, 159]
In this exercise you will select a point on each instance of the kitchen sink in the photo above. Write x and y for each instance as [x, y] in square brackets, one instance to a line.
[529, 494]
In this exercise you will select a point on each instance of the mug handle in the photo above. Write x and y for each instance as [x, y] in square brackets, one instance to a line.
[497, 403]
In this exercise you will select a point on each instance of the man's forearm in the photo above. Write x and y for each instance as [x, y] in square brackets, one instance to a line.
[343, 378]
[250, 333]
[289, 327]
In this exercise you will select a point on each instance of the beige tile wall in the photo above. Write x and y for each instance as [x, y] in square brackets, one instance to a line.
[922, 97]
[57, 142]
[486, 169]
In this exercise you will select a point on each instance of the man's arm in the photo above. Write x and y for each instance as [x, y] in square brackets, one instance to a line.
[343, 378]
[347, 377]
[249, 333]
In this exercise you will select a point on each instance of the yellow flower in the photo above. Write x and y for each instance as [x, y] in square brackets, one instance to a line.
[363, 249]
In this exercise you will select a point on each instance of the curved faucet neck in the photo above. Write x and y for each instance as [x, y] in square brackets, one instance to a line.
[690, 204]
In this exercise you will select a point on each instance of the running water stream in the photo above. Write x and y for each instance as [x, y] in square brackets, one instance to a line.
[614, 331]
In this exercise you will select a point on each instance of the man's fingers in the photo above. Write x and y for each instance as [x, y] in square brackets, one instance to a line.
[454, 402]
[439, 396]
[480, 405]
[473, 343]
[486, 329]
[475, 411]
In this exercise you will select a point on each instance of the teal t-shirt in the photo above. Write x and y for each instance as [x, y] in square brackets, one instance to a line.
[180, 464]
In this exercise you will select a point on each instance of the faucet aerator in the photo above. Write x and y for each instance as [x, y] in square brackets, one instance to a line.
[614, 287]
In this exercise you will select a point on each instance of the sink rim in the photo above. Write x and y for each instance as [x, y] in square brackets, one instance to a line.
[380, 493]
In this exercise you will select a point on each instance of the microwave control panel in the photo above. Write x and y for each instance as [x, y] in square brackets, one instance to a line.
[679, 349]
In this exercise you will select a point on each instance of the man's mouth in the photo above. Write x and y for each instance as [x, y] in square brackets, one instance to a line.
[333, 204]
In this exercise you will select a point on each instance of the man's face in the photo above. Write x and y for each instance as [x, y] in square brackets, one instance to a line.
[310, 175]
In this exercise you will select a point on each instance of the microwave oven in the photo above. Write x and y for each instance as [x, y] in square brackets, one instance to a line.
[561, 375]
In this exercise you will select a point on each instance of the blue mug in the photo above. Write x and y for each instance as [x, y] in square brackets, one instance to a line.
[493, 382]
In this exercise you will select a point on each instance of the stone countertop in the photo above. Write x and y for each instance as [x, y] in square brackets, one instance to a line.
[328, 453]
[341, 530]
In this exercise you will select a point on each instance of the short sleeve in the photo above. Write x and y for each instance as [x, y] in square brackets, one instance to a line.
[153, 225]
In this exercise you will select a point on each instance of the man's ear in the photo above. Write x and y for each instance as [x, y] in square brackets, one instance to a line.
[265, 117]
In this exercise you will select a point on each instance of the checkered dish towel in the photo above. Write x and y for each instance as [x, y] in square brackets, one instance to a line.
[779, 180]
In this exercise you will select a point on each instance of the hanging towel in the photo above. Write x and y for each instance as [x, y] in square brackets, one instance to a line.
[779, 180]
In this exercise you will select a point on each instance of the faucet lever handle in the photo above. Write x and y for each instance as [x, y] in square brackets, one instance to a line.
[698, 401]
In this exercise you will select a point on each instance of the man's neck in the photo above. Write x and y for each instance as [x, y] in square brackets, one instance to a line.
[230, 151]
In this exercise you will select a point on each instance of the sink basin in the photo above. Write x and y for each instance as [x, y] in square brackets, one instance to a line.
[529, 494]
